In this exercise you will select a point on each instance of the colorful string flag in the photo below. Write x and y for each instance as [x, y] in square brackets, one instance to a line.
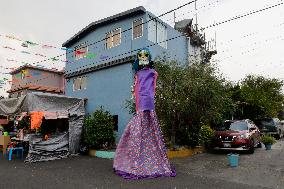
[66, 49]
[102, 57]
[41, 66]
[35, 74]
[37, 54]
[25, 72]
[54, 59]
[31, 43]
[48, 46]
[25, 44]
[13, 37]
[6, 47]
[91, 55]
[11, 60]
[78, 52]
[25, 52]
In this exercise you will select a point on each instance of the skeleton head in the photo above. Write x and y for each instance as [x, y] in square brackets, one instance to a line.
[143, 57]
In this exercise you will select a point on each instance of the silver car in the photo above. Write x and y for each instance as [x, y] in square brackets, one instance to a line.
[271, 126]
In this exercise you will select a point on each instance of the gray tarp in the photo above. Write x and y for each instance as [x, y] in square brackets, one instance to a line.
[54, 148]
[45, 102]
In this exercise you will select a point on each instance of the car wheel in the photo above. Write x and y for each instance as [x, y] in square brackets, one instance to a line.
[251, 149]
[259, 145]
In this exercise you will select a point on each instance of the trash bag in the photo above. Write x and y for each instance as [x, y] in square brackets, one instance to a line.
[84, 150]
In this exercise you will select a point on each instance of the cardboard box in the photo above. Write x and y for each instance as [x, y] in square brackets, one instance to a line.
[4, 141]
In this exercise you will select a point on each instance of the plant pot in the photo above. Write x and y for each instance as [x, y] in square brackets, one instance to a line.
[233, 159]
[105, 154]
[268, 146]
[92, 152]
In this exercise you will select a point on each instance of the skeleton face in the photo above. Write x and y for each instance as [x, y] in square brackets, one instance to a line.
[143, 57]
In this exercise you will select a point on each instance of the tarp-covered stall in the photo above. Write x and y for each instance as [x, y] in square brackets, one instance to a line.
[51, 106]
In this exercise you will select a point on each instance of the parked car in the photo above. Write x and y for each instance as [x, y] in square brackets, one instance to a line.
[271, 126]
[237, 135]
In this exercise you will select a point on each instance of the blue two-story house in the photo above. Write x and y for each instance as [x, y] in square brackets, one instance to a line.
[100, 58]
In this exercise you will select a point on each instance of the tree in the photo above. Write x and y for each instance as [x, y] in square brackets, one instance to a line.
[188, 97]
[262, 96]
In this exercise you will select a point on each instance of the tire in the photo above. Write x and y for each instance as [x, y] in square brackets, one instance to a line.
[280, 134]
[259, 145]
[251, 150]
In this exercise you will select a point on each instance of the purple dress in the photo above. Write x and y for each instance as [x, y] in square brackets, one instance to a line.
[141, 152]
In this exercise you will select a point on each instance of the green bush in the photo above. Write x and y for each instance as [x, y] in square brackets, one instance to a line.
[98, 130]
[268, 139]
[187, 96]
[205, 135]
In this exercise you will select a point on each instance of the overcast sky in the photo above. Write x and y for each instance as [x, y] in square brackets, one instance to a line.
[250, 45]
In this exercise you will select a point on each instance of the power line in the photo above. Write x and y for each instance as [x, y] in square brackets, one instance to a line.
[241, 16]
[157, 42]
[170, 11]
[234, 18]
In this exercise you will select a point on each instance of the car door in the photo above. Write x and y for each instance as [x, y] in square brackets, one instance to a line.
[254, 132]
[282, 127]
[279, 126]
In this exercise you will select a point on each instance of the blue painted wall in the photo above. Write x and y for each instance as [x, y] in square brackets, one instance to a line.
[112, 86]
[109, 88]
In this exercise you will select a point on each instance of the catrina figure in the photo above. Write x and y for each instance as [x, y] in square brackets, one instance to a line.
[141, 152]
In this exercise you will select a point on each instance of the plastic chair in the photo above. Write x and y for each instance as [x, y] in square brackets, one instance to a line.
[10, 151]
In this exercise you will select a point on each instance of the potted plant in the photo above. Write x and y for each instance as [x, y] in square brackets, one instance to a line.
[98, 133]
[268, 141]
[205, 136]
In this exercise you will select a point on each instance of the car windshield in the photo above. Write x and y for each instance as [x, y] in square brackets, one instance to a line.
[239, 126]
[235, 126]
[264, 122]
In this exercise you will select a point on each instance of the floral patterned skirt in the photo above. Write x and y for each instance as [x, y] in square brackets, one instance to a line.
[141, 152]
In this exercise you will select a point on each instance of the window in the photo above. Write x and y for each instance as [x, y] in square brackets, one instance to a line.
[116, 37]
[157, 32]
[113, 38]
[161, 35]
[80, 51]
[108, 40]
[137, 29]
[152, 31]
[239, 126]
[79, 83]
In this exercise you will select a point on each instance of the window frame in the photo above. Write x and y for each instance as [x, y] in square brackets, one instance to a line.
[141, 26]
[112, 43]
[79, 85]
[152, 19]
[163, 43]
[119, 37]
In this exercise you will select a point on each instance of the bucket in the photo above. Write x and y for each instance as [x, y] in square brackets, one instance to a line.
[233, 159]
[6, 134]
[268, 146]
